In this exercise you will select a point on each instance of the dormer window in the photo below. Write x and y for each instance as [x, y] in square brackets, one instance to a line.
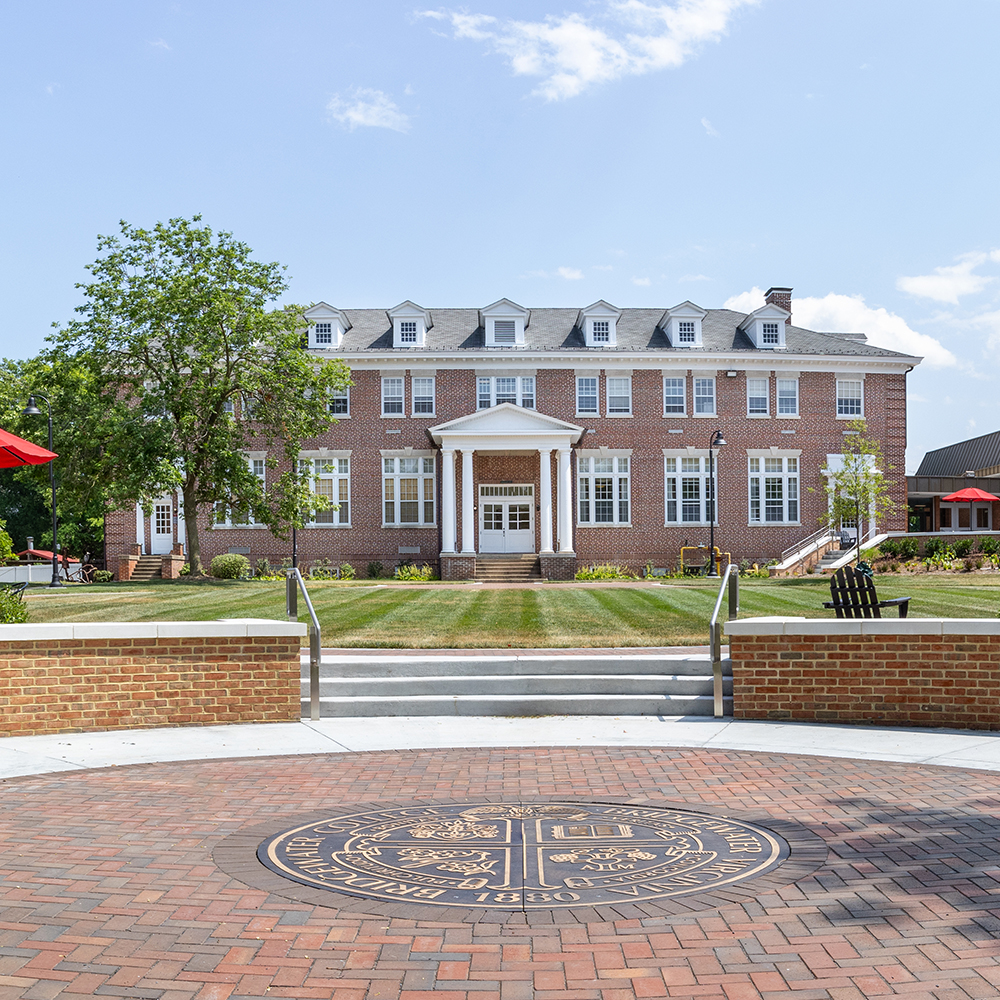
[770, 334]
[599, 323]
[766, 327]
[504, 331]
[327, 326]
[682, 325]
[504, 323]
[410, 324]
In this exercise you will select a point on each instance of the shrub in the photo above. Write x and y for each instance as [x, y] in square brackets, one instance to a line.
[990, 545]
[407, 571]
[962, 547]
[320, 570]
[907, 548]
[185, 570]
[347, 571]
[607, 571]
[103, 576]
[375, 570]
[888, 549]
[934, 546]
[263, 567]
[231, 567]
[13, 611]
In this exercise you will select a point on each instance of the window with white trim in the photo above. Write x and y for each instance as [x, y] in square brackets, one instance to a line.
[516, 389]
[228, 407]
[704, 396]
[619, 396]
[674, 397]
[340, 402]
[324, 334]
[688, 490]
[788, 397]
[408, 490]
[685, 331]
[774, 490]
[757, 397]
[850, 398]
[392, 397]
[235, 516]
[586, 395]
[408, 331]
[423, 396]
[769, 333]
[603, 490]
[330, 479]
[602, 331]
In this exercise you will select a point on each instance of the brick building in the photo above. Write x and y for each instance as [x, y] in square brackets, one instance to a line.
[579, 435]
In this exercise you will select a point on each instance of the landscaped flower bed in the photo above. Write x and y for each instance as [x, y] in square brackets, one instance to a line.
[975, 554]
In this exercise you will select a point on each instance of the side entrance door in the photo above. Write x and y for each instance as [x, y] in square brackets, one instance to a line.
[507, 518]
[162, 528]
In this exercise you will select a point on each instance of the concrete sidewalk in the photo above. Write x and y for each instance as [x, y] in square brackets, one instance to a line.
[26, 755]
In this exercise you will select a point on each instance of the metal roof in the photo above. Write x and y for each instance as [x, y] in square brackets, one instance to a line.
[980, 455]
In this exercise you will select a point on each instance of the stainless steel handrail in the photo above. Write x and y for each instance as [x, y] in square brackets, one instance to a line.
[730, 580]
[814, 537]
[294, 583]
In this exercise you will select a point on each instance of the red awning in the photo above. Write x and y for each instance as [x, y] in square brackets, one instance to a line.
[969, 495]
[15, 451]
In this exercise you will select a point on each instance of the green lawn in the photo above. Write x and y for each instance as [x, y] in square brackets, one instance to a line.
[364, 615]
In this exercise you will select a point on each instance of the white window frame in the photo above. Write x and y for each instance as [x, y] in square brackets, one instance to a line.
[770, 333]
[794, 382]
[524, 389]
[843, 399]
[338, 396]
[330, 476]
[224, 515]
[682, 412]
[687, 485]
[323, 333]
[768, 475]
[687, 332]
[596, 396]
[703, 380]
[626, 383]
[424, 396]
[398, 473]
[597, 476]
[394, 379]
[601, 331]
[756, 381]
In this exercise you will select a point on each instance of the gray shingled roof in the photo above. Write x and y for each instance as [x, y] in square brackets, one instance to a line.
[956, 459]
[556, 329]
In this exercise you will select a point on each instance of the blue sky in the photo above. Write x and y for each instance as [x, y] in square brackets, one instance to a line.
[556, 152]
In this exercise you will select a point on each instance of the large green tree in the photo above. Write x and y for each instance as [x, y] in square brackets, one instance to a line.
[176, 367]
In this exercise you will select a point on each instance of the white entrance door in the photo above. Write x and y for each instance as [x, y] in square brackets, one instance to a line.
[162, 533]
[507, 518]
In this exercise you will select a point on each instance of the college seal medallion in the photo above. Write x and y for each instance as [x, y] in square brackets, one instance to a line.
[521, 856]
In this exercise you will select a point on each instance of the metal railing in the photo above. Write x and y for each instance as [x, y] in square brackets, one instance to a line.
[293, 584]
[730, 580]
[827, 532]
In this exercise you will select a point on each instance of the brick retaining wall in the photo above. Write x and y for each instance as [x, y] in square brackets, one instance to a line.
[912, 672]
[94, 677]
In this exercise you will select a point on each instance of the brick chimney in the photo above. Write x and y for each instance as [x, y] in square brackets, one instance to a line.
[780, 297]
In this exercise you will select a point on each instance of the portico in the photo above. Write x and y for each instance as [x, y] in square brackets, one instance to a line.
[505, 512]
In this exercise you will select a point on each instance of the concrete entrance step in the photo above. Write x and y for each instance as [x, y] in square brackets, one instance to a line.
[147, 568]
[514, 685]
[508, 568]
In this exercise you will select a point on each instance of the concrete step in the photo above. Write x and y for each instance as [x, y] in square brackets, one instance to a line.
[507, 568]
[577, 683]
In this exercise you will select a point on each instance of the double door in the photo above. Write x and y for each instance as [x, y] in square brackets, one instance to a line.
[507, 518]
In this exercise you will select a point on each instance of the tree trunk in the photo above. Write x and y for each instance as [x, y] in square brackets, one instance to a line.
[191, 531]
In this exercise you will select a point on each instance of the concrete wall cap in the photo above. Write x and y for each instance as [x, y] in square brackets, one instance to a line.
[235, 628]
[864, 626]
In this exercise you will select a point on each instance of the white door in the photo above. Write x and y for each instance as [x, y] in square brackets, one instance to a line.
[507, 518]
[162, 528]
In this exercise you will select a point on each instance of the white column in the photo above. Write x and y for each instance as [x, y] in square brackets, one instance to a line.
[545, 478]
[448, 512]
[565, 501]
[140, 527]
[181, 526]
[468, 515]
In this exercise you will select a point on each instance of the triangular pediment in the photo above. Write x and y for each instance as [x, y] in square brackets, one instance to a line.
[507, 421]
[769, 311]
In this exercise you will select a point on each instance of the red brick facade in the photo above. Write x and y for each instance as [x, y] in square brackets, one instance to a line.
[813, 434]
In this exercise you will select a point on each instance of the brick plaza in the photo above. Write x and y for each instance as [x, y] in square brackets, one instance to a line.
[110, 888]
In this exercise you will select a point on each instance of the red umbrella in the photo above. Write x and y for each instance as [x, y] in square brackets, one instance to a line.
[15, 451]
[969, 494]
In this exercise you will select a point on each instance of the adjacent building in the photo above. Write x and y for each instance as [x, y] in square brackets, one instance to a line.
[579, 435]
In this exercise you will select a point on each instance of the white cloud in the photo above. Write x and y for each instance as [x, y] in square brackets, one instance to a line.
[370, 108]
[835, 313]
[946, 284]
[641, 281]
[571, 52]
[694, 277]
[160, 44]
[570, 273]
[604, 267]
[709, 128]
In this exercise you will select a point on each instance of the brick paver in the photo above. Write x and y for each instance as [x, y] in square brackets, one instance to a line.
[108, 887]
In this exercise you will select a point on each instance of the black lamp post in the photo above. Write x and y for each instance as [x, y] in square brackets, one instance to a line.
[32, 411]
[717, 442]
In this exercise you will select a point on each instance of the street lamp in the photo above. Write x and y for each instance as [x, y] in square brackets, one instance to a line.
[717, 442]
[32, 411]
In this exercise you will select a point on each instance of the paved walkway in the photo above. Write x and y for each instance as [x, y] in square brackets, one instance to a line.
[109, 888]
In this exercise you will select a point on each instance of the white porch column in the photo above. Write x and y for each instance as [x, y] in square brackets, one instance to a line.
[565, 500]
[545, 478]
[181, 526]
[468, 515]
[448, 512]
[140, 527]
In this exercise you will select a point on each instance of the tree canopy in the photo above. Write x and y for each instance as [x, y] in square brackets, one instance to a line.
[177, 365]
